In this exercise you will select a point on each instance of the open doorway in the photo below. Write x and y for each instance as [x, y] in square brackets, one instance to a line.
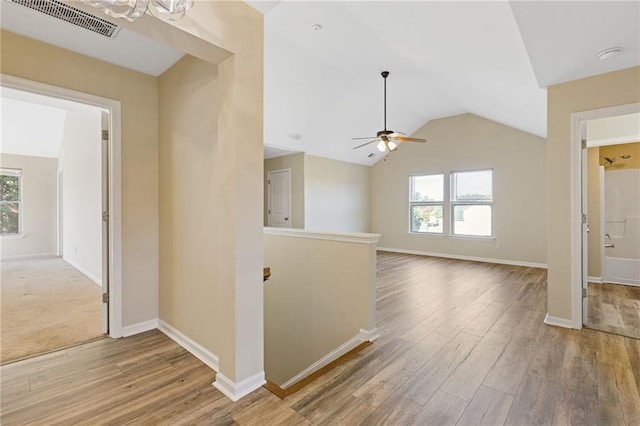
[611, 235]
[55, 223]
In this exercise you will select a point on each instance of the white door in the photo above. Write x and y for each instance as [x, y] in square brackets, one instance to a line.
[279, 198]
[105, 222]
[585, 226]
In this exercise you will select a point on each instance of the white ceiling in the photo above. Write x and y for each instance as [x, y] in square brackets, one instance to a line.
[128, 48]
[33, 124]
[323, 87]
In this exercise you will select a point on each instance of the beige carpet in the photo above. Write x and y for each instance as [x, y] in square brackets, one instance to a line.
[46, 304]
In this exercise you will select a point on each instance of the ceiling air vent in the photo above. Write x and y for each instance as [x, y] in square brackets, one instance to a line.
[72, 15]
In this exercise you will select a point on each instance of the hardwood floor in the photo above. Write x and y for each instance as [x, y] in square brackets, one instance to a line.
[615, 309]
[462, 343]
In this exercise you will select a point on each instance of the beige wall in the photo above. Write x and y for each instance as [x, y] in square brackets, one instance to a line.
[295, 162]
[312, 309]
[468, 142]
[138, 94]
[39, 211]
[81, 165]
[337, 195]
[593, 213]
[189, 259]
[601, 91]
[212, 193]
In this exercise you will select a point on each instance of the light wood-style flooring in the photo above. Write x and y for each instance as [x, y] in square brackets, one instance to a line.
[462, 343]
[615, 309]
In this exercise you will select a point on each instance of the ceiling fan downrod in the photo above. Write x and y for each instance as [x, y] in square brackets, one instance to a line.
[385, 74]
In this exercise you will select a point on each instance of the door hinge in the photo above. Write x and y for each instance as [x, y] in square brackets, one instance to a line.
[584, 292]
[105, 216]
[584, 143]
[584, 218]
[105, 135]
[105, 297]
[268, 182]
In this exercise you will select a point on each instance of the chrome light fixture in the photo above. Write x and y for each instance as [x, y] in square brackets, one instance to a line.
[133, 9]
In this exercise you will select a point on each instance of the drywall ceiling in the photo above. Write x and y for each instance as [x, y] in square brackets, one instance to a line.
[33, 124]
[128, 48]
[323, 86]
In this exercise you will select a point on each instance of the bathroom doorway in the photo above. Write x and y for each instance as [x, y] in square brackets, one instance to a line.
[612, 169]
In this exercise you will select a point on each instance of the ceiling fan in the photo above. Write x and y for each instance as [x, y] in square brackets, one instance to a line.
[387, 138]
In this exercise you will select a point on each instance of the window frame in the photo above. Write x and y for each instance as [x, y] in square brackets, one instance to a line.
[17, 173]
[454, 202]
[442, 204]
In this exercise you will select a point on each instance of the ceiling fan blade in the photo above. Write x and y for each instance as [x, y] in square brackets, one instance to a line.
[396, 134]
[406, 139]
[365, 144]
[366, 137]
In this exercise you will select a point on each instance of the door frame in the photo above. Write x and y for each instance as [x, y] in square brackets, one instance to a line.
[113, 107]
[269, 196]
[578, 243]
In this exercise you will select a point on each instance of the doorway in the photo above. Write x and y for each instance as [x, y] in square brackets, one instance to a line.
[279, 198]
[93, 255]
[611, 222]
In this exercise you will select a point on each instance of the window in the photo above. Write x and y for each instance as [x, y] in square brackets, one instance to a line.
[427, 203]
[467, 199]
[10, 201]
[471, 203]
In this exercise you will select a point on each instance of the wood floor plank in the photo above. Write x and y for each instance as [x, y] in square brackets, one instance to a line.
[534, 403]
[488, 407]
[441, 409]
[497, 354]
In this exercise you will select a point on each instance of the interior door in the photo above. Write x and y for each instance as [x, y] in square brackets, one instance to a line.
[279, 198]
[585, 226]
[105, 222]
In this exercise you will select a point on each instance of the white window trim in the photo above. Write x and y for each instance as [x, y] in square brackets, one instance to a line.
[20, 233]
[442, 203]
[454, 202]
[448, 204]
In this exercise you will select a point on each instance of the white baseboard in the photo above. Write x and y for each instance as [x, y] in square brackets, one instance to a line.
[368, 335]
[558, 322]
[597, 280]
[84, 271]
[190, 345]
[235, 391]
[141, 327]
[462, 257]
[363, 336]
[28, 256]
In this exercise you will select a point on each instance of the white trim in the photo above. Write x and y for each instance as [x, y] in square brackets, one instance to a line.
[622, 281]
[197, 350]
[235, 391]
[369, 335]
[28, 256]
[463, 257]
[84, 272]
[363, 336]
[13, 236]
[575, 165]
[559, 322]
[597, 280]
[141, 327]
[115, 214]
[612, 141]
[347, 237]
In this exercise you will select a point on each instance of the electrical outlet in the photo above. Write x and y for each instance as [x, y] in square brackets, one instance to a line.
[498, 246]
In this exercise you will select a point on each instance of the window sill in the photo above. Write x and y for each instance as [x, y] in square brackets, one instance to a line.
[457, 237]
[12, 237]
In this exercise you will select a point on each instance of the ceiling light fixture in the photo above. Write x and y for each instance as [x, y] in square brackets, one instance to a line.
[133, 9]
[609, 53]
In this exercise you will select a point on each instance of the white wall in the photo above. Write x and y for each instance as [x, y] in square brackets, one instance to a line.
[622, 212]
[337, 195]
[38, 207]
[468, 142]
[80, 162]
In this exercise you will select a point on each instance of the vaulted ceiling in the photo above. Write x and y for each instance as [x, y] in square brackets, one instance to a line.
[323, 61]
